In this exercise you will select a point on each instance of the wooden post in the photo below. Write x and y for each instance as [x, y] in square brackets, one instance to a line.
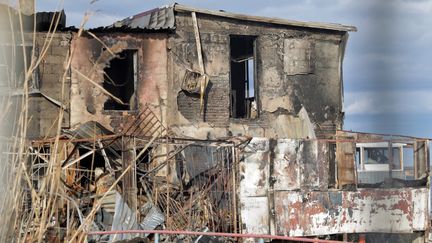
[203, 78]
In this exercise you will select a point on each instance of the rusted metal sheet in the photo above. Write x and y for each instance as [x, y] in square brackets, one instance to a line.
[124, 218]
[300, 165]
[345, 152]
[254, 184]
[256, 216]
[254, 169]
[315, 167]
[366, 210]
[286, 168]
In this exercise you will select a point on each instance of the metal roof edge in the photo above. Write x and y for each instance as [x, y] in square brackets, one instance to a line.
[278, 21]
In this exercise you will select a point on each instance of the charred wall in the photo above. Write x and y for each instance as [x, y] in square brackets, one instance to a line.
[48, 78]
[91, 60]
[284, 189]
[298, 79]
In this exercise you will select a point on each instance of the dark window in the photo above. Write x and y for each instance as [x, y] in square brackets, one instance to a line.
[242, 79]
[120, 81]
[332, 181]
[87, 166]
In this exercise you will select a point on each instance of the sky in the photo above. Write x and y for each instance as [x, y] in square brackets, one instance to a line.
[387, 67]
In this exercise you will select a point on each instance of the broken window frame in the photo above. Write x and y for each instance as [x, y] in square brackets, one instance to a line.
[38, 164]
[248, 109]
[131, 106]
[406, 171]
[384, 146]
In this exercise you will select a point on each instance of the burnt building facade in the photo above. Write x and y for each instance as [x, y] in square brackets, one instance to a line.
[268, 91]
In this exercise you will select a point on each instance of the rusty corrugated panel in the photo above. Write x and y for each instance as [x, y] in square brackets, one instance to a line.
[367, 210]
[345, 152]
[89, 129]
[124, 219]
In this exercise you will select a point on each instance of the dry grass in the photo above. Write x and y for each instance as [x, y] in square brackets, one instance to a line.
[28, 214]
[31, 209]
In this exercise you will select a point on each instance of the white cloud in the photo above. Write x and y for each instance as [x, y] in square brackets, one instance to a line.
[96, 19]
[390, 102]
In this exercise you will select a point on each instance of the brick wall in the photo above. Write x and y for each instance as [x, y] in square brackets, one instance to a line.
[216, 108]
[281, 92]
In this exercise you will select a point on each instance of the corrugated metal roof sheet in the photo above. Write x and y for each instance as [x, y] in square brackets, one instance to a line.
[89, 129]
[163, 18]
[155, 19]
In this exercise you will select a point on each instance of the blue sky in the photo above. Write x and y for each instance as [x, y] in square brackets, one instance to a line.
[387, 66]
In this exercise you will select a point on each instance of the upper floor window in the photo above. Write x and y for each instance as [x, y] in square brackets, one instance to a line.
[120, 80]
[242, 77]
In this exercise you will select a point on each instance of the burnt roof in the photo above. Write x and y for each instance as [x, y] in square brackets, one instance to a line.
[163, 18]
[156, 19]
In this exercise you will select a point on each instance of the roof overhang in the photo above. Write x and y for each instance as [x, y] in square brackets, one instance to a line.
[277, 21]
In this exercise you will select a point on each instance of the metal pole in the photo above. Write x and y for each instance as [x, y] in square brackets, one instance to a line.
[233, 235]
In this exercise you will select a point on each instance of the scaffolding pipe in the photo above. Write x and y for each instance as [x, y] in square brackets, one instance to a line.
[234, 235]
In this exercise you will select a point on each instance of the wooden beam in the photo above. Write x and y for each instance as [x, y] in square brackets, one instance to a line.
[203, 78]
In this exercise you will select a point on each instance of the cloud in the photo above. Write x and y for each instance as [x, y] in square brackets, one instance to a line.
[391, 102]
[96, 19]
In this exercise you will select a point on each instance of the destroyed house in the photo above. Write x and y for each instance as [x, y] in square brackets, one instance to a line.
[209, 120]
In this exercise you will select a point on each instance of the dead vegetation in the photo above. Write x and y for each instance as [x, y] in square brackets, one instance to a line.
[89, 179]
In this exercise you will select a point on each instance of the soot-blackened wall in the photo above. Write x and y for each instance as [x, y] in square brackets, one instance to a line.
[298, 79]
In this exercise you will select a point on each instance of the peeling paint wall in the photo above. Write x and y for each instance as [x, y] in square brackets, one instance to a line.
[365, 210]
[284, 189]
[91, 57]
[284, 86]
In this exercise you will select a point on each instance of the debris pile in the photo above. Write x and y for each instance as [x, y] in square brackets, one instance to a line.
[91, 179]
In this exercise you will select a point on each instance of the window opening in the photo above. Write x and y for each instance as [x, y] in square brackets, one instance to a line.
[242, 79]
[87, 166]
[381, 164]
[408, 162]
[120, 79]
[381, 156]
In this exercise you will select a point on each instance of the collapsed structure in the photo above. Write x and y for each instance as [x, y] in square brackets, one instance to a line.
[188, 119]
